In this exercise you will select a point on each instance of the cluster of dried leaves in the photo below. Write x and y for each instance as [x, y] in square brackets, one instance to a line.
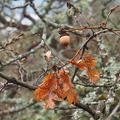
[56, 87]
[87, 63]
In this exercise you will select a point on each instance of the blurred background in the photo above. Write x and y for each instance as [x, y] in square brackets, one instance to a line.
[20, 23]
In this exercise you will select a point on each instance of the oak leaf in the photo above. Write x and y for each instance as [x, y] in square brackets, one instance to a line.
[56, 87]
[87, 63]
[71, 97]
[67, 88]
[49, 100]
[46, 91]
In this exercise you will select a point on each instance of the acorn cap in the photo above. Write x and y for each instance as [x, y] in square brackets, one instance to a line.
[61, 31]
[64, 34]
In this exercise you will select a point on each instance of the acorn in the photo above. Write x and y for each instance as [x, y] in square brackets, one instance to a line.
[65, 39]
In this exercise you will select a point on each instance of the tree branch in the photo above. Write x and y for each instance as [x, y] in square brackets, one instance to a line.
[30, 87]
[15, 81]
[17, 7]
[22, 55]
[27, 15]
[88, 109]
[13, 24]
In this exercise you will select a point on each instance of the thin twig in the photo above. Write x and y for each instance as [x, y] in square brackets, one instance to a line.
[5, 84]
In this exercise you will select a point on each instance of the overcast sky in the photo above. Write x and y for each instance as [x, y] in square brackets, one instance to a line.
[18, 12]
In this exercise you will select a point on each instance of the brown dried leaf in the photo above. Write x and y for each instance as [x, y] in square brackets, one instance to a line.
[48, 55]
